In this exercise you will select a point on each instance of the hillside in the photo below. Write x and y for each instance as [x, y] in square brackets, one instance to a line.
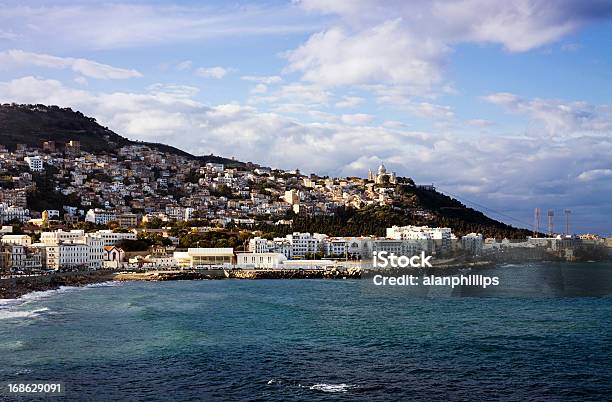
[444, 212]
[33, 124]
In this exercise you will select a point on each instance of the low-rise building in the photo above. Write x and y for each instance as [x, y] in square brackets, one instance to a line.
[260, 260]
[204, 257]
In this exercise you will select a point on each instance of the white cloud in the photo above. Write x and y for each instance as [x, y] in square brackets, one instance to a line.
[558, 117]
[184, 65]
[259, 89]
[383, 53]
[402, 47]
[85, 67]
[595, 174]
[482, 123]
[296, 93]
[263, 79]
[356, 118]
[430, 110]
[349, 101]
[81, 80]
[91, 25]
[212, 72]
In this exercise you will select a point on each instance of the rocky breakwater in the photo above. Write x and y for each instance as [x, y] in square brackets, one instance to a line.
[160, 276]
[11, 288]
[350, 273]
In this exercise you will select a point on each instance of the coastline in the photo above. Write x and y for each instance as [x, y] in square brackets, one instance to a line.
[16, 287]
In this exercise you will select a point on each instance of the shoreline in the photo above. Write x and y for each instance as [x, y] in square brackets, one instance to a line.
[16, 287]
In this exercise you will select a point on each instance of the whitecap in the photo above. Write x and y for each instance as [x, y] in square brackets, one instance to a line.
[12, 345]
[332, 387]
[10, 314]
[108, 284]
[43, 294]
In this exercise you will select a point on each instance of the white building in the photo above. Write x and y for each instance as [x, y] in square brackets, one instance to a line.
[35, 163]
[292, 197]
[260, 260]
[111, 238]
[215, 167]
[21, 240]
[437, 239]
[19, 257]
[472, 243]
[305, 243]
[114, 254]
[179, 213]
[51, 238]
[11, 213]
[73, 249]
[204, 257]
[403, 247]
[100, 216]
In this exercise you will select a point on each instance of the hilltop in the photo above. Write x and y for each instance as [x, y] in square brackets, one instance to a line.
[33, 124]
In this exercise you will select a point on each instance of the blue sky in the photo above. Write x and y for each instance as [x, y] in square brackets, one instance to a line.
[503, 103]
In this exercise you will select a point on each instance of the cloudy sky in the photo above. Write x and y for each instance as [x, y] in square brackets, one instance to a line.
[505, 104]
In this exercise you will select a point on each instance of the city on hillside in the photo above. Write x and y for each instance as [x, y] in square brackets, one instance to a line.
[62, 208]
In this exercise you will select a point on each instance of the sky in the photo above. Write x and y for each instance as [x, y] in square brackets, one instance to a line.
[506, 105]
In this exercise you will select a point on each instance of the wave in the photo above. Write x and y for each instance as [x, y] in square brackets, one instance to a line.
[321, 387]
[109, 284]
[43, 294]
[8, 314]
[332, 387]
[12, 345]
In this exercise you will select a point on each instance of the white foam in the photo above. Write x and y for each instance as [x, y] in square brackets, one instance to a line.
[332, 387]
[109, 284]
[10, 314]
[12, 345]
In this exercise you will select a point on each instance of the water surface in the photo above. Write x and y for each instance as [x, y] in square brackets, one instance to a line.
[545, 333]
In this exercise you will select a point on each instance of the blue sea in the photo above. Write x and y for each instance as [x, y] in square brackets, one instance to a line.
[545, 333]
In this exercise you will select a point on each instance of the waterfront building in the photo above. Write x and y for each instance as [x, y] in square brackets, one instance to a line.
[472, 243]
[204, 257]
[260, 260]
[438, 239]
[403, 247]
[113, 254]
[74, 249]
[18, 257]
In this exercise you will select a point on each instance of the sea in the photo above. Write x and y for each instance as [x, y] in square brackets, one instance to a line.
[544, 333]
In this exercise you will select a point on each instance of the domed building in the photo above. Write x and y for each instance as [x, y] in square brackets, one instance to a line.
[382, 176]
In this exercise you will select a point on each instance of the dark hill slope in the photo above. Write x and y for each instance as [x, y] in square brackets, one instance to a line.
[33, 124]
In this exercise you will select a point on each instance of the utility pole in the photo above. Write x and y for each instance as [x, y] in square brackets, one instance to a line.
[568, 212]
[551, 222]
[536, 222]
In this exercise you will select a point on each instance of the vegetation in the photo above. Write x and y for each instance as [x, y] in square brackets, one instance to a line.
[33, 124]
